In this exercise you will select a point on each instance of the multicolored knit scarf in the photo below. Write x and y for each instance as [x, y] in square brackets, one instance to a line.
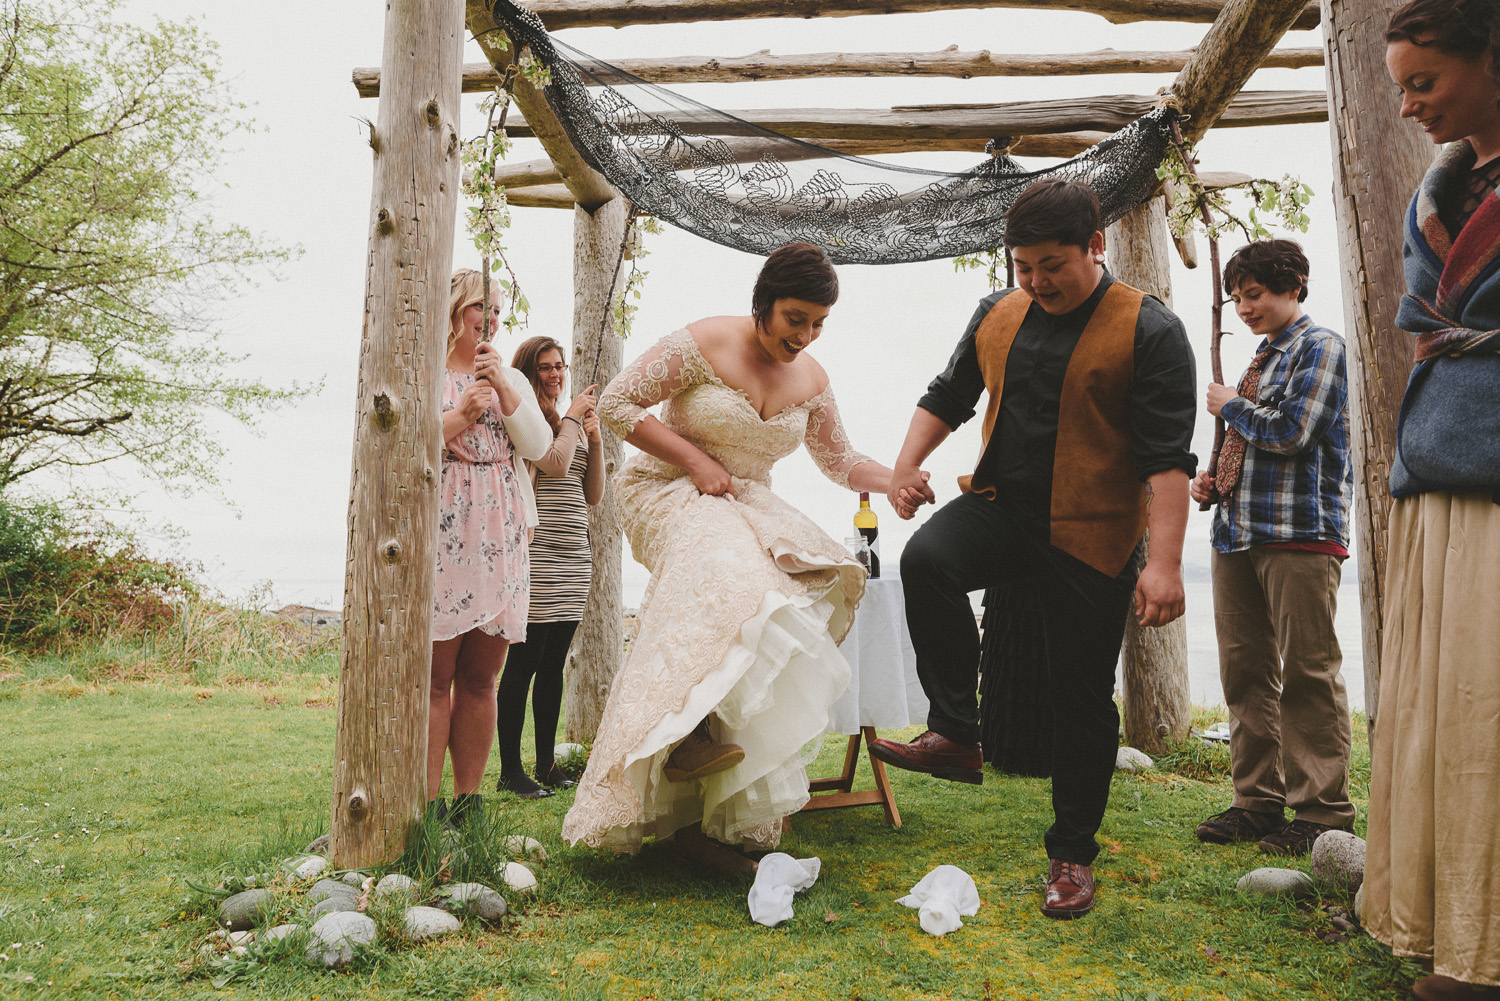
[1447, 270]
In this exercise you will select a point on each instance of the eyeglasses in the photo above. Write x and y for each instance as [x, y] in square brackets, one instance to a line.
[559, 368]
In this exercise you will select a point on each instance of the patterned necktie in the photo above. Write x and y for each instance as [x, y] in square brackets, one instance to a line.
[1232, 455]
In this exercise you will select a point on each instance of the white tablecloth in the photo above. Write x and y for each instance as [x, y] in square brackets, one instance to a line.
[883, 691]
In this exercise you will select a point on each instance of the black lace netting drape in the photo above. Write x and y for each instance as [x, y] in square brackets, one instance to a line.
[675, 159]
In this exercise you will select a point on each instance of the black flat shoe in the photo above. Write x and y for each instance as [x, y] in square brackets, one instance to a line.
[468, 808]
[523, 787]
[555, 778]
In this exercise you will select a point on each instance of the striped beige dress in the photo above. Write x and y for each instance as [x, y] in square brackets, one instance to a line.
[562, 561]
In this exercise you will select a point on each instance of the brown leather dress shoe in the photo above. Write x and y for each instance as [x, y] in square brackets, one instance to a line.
[1070, 889]
[934, 754]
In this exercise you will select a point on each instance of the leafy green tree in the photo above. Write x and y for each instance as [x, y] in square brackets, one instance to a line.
[112, 269]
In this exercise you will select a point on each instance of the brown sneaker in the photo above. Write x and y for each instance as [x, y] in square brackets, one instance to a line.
[934, 754]
[1070, 890]
[1238, 824]
[698, 755]
[1297, 837]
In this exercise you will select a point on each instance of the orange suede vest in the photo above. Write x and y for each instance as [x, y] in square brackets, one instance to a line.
[1098, 501]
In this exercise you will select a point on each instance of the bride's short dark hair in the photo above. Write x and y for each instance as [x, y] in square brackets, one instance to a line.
[794, 271]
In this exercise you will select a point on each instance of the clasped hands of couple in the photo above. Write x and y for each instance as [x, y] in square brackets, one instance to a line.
[1159, 597]
[490, 383]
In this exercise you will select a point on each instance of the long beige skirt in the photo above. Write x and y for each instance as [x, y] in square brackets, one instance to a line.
[1432, 882]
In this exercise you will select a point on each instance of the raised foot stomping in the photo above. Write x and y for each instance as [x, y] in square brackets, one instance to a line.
[698, 755]
[934, 754]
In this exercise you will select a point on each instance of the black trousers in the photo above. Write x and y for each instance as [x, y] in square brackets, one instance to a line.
[972, 543]
[540, 657]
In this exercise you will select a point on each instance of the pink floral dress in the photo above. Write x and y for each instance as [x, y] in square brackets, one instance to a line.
[483, 572]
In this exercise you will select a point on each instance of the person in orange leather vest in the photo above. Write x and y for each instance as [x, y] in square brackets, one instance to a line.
[1087, 436]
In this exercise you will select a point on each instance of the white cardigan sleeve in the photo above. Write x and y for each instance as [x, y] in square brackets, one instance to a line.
[530, 434]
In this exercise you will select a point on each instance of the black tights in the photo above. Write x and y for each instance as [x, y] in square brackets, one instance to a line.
[540, 657]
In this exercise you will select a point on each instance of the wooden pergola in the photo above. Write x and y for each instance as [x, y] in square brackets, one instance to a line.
[378, 784]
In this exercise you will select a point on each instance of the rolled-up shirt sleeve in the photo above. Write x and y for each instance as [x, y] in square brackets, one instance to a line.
[1162, 394]
[952, 395]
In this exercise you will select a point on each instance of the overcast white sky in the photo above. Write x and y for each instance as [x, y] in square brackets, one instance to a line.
[304, 178]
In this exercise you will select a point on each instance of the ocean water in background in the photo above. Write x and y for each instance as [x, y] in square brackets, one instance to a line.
[1203, 650]
[1203, 653]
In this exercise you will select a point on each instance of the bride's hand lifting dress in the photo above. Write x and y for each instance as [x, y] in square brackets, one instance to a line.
[746, 604]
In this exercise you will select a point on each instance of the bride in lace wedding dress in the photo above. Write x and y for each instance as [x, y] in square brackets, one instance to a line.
[736, 639]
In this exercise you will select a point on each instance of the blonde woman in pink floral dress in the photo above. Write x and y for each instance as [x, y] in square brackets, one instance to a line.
[490, 422]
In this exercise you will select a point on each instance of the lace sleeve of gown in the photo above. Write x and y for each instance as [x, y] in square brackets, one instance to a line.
[668, 367]
[827, 442]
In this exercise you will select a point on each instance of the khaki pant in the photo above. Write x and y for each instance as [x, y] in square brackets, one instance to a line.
[1279, 661]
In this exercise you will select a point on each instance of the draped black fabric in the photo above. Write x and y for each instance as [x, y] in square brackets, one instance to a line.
[675, 159]
[1015, 719]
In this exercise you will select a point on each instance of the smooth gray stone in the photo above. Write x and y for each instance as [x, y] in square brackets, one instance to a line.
[1359, 904]
[306, 866]
[336, 936]
[1130, 759]
[396, 883]
[325, 888]
[330, 905]
[473, 898]
[246, 909]
[278, 933]
[429, 922]
[352, 878]
[1277, 883]
[318, 845]
[1338, 860]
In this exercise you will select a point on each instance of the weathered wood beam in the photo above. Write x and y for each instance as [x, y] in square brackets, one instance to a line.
[1379, 162]
[589, 187]
[747, 150]
[556, 196]
[558, 14]
[1155, 693]
[1241, 37]
[385, 660]
[983, 121]
[481, 77]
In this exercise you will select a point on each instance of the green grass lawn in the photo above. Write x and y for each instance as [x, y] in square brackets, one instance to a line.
[114, 793]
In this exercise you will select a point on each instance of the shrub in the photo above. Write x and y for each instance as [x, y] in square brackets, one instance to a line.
[60, 580]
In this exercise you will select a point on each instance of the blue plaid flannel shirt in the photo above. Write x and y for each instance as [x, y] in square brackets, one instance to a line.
[1297, 478]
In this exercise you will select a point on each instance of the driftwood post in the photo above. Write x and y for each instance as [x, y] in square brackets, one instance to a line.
[1156, 693]
[598, 241]
[379, 782]
[1380, 160]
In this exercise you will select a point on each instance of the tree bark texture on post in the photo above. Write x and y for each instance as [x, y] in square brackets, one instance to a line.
[1379, 162]
[599, 240]
[1156, 693]
[380, 762]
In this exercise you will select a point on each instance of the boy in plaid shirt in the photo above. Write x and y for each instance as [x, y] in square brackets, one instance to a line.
[1280, 536]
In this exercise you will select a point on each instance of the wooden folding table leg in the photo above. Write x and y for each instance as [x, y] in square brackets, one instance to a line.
[883, 784]
[844, 781]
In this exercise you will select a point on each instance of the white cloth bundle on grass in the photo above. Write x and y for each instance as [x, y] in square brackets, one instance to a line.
[778, 878]
[942, 896]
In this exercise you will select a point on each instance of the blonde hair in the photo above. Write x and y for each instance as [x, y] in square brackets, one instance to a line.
[465, 289]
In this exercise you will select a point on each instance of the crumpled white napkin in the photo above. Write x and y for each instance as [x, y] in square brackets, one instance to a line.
[942, 895]
[777, 878]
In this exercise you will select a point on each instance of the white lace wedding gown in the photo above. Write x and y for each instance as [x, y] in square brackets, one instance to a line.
[746, 604]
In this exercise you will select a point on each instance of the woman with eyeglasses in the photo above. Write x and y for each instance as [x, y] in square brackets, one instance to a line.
[567, 480]
[491, 422]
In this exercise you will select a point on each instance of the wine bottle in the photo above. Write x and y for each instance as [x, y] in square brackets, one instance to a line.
[866, 525]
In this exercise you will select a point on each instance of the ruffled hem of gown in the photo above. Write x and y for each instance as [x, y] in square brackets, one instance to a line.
[771, 693]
